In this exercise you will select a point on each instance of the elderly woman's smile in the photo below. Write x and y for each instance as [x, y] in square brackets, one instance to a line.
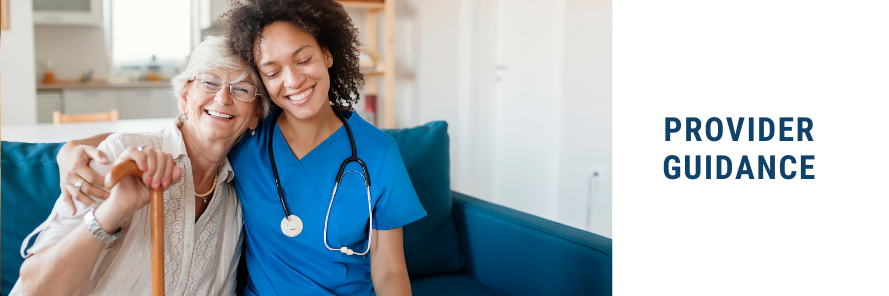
[219, 115]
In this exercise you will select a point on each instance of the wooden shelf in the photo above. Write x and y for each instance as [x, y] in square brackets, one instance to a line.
[363, 4]
[372, 9]
[373, 72]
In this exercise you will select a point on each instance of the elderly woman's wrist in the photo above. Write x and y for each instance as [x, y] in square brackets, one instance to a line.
[110, 215]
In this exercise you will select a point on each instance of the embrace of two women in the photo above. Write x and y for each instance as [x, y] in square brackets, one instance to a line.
[264, 126]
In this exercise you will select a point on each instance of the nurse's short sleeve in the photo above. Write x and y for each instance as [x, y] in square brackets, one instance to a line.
[397, 204]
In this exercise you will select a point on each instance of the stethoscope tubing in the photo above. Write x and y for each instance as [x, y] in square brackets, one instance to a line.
[339, 177]
[275, 167]
[369, 212]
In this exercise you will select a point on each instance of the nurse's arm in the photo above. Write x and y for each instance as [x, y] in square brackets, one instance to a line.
[387, 268]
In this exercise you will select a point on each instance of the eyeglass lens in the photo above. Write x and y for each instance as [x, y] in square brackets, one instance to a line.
[241, 91]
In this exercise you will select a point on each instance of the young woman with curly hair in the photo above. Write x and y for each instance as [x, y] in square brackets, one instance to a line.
[300, 238]
[306, 54]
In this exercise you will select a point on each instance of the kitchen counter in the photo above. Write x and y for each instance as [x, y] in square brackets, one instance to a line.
[63, 132]
[101, 84]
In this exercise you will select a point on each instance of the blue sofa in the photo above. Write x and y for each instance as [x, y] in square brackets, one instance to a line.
[465, 246]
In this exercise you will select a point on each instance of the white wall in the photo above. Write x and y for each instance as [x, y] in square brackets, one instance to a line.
[529, 134]
[586, 114]
[19, 97]
[73, 50]
[426, 38]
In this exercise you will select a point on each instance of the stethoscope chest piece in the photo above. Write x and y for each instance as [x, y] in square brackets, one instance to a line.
[292, 226]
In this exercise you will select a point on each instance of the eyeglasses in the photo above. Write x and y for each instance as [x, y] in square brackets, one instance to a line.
[241, 91]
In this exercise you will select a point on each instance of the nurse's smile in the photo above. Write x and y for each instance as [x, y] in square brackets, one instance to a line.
[301, 97]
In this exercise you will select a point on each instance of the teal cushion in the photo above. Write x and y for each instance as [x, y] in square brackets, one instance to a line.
[450, 284]
[430, 244]
[30, 182]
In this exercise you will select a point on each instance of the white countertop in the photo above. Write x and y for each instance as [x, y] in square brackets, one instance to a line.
[101, 84]
[52, 133]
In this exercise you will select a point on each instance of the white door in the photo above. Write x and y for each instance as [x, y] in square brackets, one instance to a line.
[528, 106]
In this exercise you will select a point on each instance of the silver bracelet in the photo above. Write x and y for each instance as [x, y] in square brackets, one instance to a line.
[93, 225]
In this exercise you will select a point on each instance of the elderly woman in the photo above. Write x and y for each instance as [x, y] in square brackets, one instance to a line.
[103, 249]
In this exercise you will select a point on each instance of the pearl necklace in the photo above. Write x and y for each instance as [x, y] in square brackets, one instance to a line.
[204, 196]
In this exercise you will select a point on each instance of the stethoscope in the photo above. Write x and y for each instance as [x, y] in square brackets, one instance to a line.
[292, 225]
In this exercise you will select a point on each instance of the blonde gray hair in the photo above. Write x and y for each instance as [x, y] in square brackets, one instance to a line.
[214, 53]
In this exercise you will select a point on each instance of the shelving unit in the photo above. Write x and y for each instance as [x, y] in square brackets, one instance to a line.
[372, 9]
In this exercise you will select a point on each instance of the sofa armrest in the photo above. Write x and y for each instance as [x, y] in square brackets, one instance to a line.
[516, 253]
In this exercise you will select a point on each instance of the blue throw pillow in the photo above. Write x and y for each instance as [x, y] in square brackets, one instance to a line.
[30, 182]
[430, 244]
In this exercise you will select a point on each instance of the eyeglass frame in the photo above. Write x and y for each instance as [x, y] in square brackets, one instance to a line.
[230, 86]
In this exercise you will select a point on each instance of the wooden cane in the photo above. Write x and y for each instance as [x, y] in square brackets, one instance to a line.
[130, 168]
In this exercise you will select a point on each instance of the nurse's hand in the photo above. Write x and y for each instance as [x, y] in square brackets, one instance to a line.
[73, 160]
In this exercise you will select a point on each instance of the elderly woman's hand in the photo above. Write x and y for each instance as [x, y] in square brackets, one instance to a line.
[74, 158]
[159, 171]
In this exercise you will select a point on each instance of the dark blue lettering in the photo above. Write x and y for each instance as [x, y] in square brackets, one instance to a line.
[672, 130]
[667, 167]
[750, 128]
[718, 129]
[767, 167]
[762, 122]
[707, 166]
[784, 167]
[744, 168]
[689, 129]
[735, 133]
[782, 127]
[800, 130]
[688, 167]
[728, 161]
[804, 167]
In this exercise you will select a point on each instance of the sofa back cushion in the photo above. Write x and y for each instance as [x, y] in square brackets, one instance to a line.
[431, 245]
[30, 183]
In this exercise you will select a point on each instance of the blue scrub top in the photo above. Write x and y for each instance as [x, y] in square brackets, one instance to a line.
[282, 265]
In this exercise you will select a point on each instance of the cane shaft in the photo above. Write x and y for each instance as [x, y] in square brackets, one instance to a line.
[157, 243]
[156, 201]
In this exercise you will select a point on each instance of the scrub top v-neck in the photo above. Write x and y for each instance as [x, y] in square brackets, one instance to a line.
[278, 264]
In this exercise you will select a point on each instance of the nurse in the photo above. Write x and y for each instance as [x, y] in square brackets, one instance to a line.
[305, 53]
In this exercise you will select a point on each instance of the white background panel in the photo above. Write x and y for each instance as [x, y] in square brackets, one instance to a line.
[828, 61]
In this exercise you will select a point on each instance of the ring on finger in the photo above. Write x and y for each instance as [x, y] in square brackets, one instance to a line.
[78, 184]
[139, 148]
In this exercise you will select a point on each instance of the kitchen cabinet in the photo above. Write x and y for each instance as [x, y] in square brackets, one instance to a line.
[47, 102]
[68, 12]
[79, 101]
[139, 100]
[146, 103]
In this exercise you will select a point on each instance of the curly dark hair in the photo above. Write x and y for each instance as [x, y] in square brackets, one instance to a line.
[326, 20]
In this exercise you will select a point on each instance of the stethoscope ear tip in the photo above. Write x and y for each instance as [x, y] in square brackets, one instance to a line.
[346, 251]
